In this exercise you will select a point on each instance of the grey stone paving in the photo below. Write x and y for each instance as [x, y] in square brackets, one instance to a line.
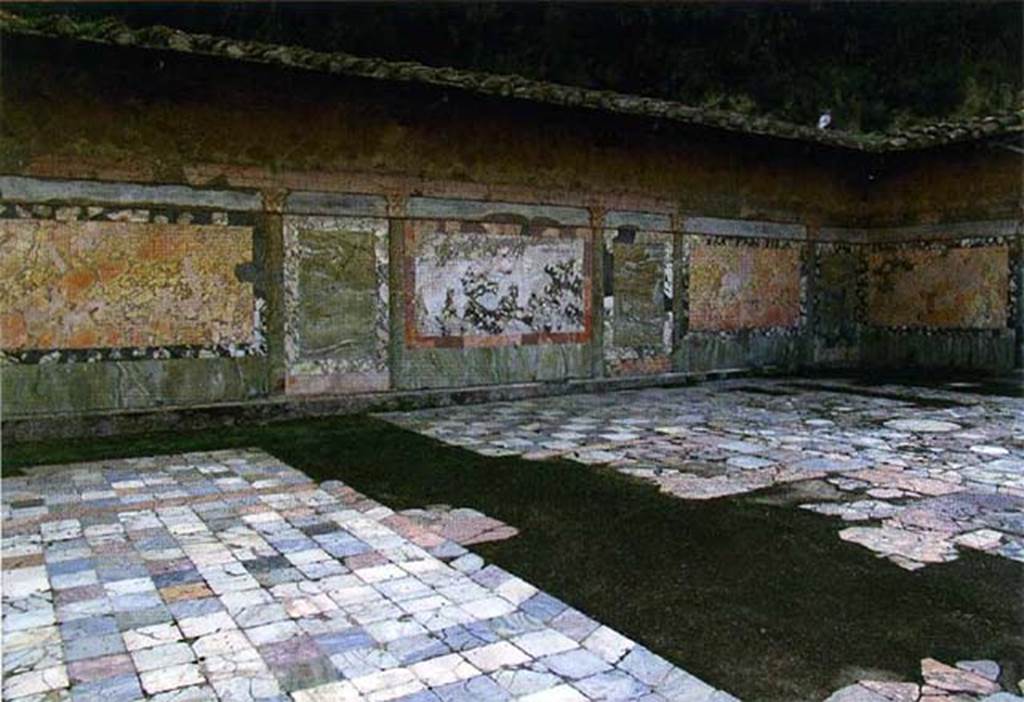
[917, 474]
[231, 576]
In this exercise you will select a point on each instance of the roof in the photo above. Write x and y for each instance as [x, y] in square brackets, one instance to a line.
[113, 32]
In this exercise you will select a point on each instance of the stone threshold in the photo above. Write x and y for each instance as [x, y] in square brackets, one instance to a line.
[39, 427]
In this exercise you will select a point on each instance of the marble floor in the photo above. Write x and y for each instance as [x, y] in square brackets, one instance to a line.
[231, 576]
[915, 475]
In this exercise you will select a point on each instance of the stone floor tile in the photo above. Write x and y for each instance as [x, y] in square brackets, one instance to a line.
[297, 593]
[93, 669]
[344, 640]
[488, 607]
[611, 685]
[32, 619]
[413, 649]
[608, 644]
[524, 680]
[680, 685]
[496, 655]
[579, 663]
[275, 632]
[443, 670]
[201, 625]
[150, 636]
[171, 654]
[170, 678]
[241, 662]
[220, 643]
[338, 691]
[648, 668]
[394, 678]
[358, 662]
[255, 688]
[35, 682]
[422, 696]
[119, 688]
[88, 626]
[93, 647]
[559, 693]
[478, 689]
[141, 618]
[544, 643]
[574, 624]
[194, 693]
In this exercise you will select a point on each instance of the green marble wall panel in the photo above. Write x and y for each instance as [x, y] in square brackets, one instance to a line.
[638, 295]
[123, 385]
[336, 302]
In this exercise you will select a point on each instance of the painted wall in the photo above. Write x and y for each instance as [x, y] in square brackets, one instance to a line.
[962, 205]
[121, 114]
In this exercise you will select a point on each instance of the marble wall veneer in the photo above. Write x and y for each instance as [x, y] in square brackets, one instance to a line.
[485, 284]
[638, 299]
[336, 304]
[938, 287]
[83, 285]
[737, 286]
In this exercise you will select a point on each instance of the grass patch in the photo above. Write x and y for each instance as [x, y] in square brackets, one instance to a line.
[764, 601]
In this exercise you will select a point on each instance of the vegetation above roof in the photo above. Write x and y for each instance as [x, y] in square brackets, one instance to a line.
[114, 32]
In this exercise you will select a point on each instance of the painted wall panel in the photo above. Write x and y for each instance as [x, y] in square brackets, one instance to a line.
[939, 287]
[735, 287]
[81, 285]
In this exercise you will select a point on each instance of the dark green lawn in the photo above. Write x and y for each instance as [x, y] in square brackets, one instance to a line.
[762, 600]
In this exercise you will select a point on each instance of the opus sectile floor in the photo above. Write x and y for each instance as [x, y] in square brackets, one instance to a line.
[231, 576]
[919, 473]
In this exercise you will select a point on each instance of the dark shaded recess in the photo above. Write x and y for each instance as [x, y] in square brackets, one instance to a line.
[626, 235]
[874, 64]
[923, 402]
[762, 600]
[978, 383]
[608, 271]
[753, 389]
